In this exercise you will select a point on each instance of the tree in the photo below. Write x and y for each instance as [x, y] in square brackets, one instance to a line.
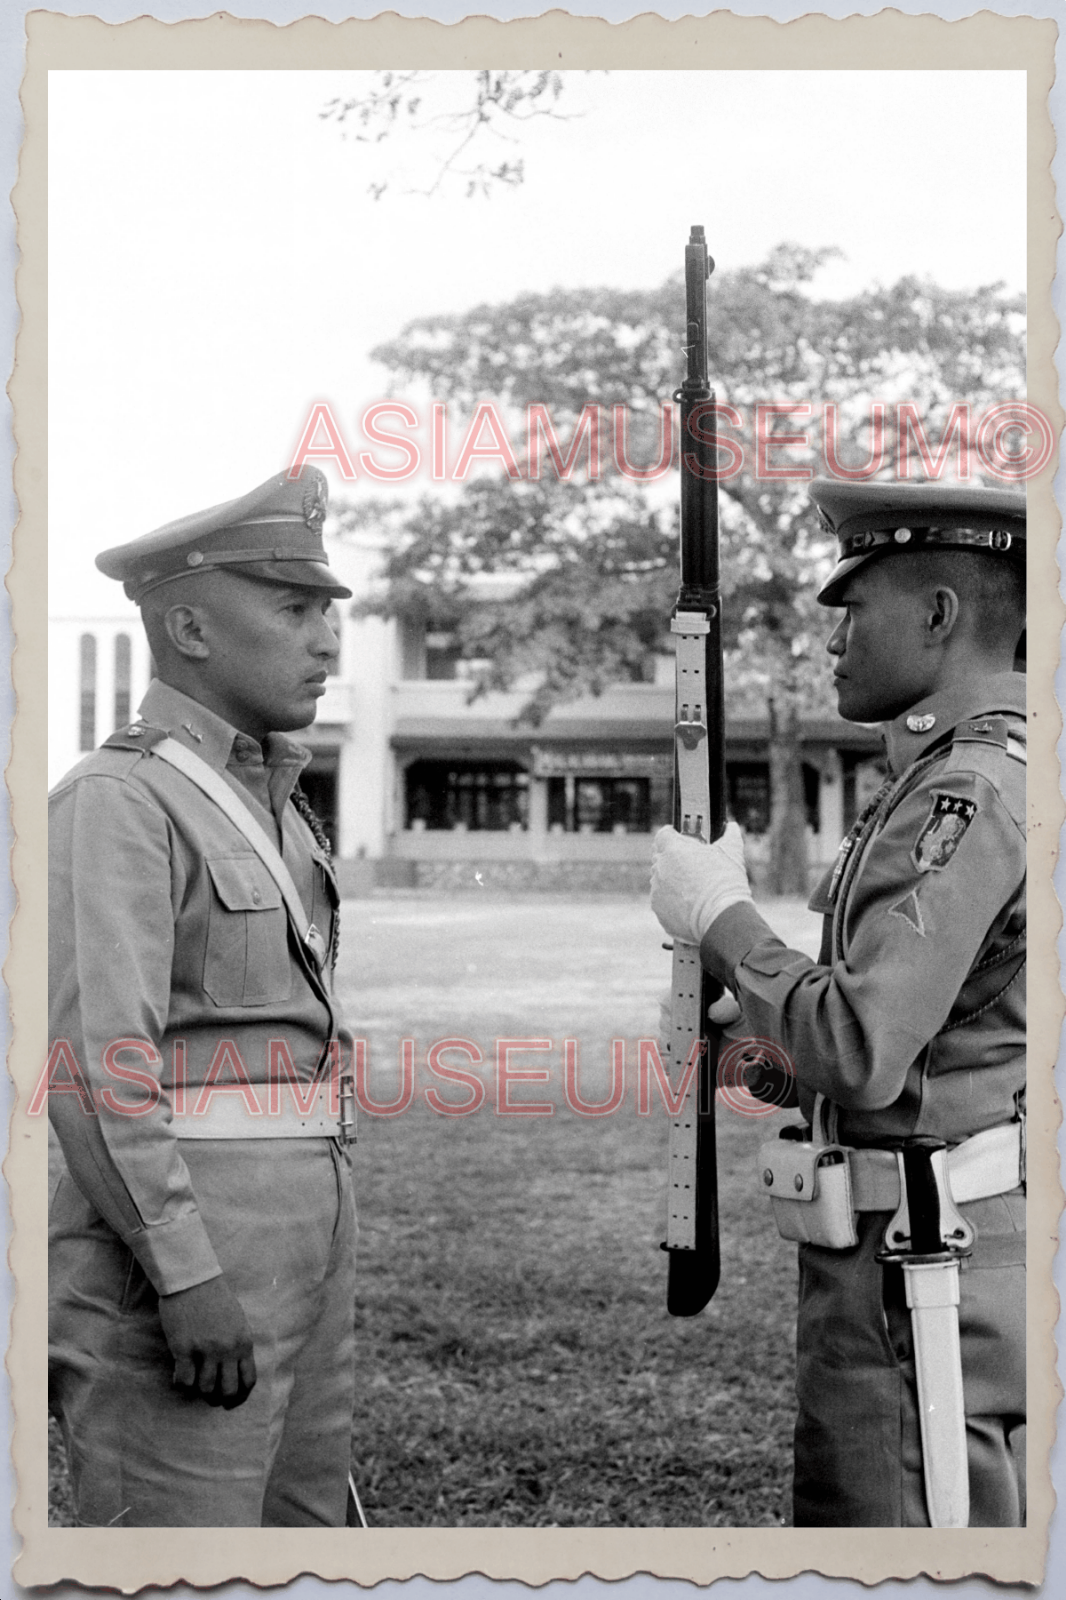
[494, 104]
[593, 563]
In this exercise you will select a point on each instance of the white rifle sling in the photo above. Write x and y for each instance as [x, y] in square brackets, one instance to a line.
[686, 1024]
[684, 1040]
[690, 723]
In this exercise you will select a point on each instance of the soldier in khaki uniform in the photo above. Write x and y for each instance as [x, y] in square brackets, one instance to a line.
[909, 1031]
[201, 1259]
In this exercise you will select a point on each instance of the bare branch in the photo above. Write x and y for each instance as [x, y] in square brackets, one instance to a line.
[403, 102]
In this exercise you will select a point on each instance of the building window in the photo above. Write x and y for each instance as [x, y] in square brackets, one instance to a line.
[442, 657]
[599, 805]
[318, 780]
[122, 679]
[748, 783]
[87, 692]
[482, 796]
[812, 787]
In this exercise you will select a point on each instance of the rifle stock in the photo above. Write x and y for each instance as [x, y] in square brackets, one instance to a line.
[699, 810]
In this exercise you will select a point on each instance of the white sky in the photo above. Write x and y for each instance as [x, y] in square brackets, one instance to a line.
[216, 264]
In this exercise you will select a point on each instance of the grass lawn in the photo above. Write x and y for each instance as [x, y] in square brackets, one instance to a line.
[518, 1367]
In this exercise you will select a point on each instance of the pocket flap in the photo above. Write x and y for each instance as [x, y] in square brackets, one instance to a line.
[788, 1168]
[243, 883]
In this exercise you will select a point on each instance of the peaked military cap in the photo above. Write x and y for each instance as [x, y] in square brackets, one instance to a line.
[274, 533]
[874, 520]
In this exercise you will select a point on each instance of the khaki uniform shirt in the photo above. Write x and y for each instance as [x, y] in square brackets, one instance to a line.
[913, 1022]
[165, 929]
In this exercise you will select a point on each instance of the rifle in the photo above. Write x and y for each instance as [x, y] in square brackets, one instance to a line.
[699, 810]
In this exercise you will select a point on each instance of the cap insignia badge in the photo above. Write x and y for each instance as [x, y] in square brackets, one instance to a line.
[921, 724]
[949, 817]
[315, 502]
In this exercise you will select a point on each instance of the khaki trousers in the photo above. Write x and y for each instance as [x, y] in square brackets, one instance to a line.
[281, 1218]
[858, 1453]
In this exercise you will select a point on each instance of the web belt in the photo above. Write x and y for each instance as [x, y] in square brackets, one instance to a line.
[992, 1162]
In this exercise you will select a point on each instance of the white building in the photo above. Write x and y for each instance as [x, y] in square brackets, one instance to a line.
[419, 785]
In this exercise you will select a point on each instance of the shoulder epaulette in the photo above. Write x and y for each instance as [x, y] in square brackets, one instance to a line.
[982, 730]
[135, 736]
[993, 730]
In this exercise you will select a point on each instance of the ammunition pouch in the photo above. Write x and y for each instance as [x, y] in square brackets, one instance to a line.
[809, 1185]
[817, 1188]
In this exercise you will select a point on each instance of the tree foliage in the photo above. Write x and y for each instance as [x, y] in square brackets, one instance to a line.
[592, 564]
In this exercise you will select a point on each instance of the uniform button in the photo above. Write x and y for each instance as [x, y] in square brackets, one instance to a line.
[256, 897]
[242, 755]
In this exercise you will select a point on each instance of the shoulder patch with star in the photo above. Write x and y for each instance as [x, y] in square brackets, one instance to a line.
[949, 817]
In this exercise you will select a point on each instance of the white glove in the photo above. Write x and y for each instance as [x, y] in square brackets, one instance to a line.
[693, 883]
[723, 1013]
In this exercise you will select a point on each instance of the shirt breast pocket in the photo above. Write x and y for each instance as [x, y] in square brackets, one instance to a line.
[247, 959]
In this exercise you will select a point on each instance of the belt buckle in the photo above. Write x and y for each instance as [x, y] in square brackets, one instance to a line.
[347, 1109]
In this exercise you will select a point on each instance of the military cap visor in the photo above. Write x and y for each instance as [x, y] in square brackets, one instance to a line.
[873, 521]
[273, 534]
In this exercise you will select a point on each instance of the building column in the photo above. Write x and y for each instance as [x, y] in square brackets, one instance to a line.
[105, 682]
[830, 805]
[538, 806]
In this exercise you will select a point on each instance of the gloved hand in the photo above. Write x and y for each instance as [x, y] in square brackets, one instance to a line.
[723, 1013]
[693, 883]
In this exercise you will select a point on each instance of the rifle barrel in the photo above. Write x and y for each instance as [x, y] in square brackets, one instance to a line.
[699, 806]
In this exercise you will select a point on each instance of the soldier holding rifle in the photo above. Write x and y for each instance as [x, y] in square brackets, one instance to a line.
[907, 1036]
[201, 1240]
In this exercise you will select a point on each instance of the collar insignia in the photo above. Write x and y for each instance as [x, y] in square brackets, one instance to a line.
[921, 724]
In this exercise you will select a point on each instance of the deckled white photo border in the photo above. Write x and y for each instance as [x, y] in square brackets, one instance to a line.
[127, 1559]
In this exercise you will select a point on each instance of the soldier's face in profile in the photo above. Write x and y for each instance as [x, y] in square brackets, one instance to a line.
[270, 648]
[881, 663]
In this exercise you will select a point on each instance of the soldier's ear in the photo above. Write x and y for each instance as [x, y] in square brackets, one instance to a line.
[184, 628]
[943, 615]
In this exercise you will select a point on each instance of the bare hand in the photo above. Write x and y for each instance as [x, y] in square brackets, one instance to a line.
[211, 1343]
